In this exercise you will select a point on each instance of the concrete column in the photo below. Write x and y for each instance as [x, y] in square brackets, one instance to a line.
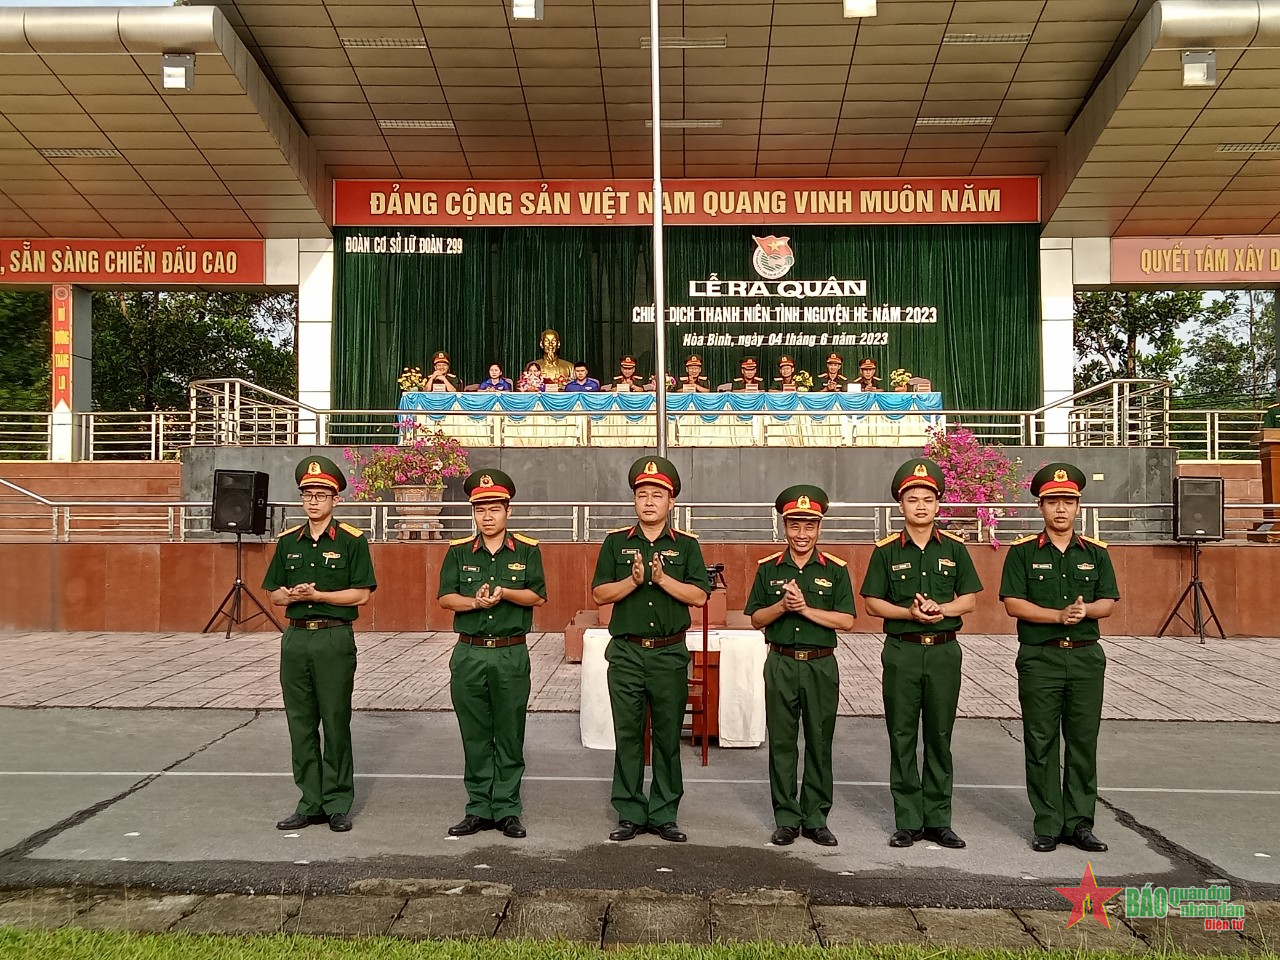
[1056, 334]
[315, 333]
[72, 372]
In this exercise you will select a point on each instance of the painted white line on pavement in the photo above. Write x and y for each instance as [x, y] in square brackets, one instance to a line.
[714, 781]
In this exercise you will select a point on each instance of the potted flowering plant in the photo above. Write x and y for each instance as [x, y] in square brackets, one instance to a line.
[424, 462]
[804, 381]
[975, 473]
[900, 379]
[411, 379]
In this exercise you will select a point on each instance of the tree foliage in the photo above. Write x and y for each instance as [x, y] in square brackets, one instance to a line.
[148, 345]
[1231, 359]
[25, 350]
[1133, 335]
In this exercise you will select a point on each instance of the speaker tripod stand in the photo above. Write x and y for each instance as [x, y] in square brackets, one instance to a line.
[1196, 591]
[232, 606]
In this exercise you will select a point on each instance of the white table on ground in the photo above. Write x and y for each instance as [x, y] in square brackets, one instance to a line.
[741, 715]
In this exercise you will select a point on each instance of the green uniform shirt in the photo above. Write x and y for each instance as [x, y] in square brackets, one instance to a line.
[337, 561]
[1271, 416]
[650, 611]
[942, 571]
[1036, 570]
[516, 566]
[826, 586]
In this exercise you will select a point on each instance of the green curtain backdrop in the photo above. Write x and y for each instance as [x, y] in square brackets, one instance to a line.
[491, 302]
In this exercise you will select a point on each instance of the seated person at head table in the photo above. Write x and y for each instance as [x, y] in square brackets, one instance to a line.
[833, 381]
[496, 380]
[749, 380]
[440, 379]
[693, 381]
[786, 379]
[531, 380]
[626, 381]
[581, 382]
[867, 379]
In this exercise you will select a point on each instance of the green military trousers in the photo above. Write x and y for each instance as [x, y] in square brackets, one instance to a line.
[801, 695]
[1061, 696]
[490, 691]
[921, 687]
[317, 675]
[659, 680]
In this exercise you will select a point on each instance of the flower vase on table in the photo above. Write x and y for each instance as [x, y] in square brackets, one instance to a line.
[417, 506]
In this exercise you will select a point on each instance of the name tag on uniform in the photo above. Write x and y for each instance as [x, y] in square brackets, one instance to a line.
[823, 583]
[466, 569]
[1042, 566]
[901, 566]
[629, 552]
[515, 566]
[1084, 566]
[777, 583]
[293, 556]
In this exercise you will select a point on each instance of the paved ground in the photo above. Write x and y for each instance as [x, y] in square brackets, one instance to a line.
[1147, 678]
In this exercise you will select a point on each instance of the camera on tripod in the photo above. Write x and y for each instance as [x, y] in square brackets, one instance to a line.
[716, 572]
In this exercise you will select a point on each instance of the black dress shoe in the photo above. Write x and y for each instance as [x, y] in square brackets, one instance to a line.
[470, 824]
[821, 836]
[670, 832]
[513, 828]
[1044, 844]
[944, 837]
[299, 820]
[784, 836]
[626, 831]
[340, 822]
[905, 838]
[1082, 837]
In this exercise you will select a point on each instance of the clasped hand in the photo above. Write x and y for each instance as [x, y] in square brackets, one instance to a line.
[1073, 613]
[924, 610]
[657, 573]
[793, 598]
[303, 591]
[486, 598]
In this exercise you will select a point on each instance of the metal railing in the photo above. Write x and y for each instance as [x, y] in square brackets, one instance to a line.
[25, 436]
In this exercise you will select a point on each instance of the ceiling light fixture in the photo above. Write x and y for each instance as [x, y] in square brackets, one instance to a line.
[859, 8]
[954, 121]
[178, 71]
[685, 43]
[950, 38]
[1199, 68]
[687, 124]
[526, 9]
[414, 43]
[70, 153]
[1249, 148]
[416, 124]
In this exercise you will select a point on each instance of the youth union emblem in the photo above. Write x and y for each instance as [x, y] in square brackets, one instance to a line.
[773, 258]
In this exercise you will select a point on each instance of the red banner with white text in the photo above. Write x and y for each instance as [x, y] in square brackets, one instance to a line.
[159, 262]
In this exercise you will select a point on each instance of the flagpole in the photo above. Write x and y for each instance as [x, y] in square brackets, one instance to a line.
[659, 316]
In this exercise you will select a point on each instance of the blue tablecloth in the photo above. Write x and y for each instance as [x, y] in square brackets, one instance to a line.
[635, 406]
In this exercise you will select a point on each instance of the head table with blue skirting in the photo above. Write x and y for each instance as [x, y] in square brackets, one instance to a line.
[697, 419]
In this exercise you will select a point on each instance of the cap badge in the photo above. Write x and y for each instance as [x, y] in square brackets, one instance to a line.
[486, 481]
[804, 503]
[650, 467]
[313, 469]
[1059, 476]
[921, 470]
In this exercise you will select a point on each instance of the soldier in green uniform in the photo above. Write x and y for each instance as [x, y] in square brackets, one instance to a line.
[652, 573]
[491, 582]
[441, 377]
[1271, 417]
[921, 581]
[1058, 585]
[321, 572]
[800, 598]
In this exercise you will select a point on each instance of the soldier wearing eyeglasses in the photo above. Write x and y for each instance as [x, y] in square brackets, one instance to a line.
[321, 573]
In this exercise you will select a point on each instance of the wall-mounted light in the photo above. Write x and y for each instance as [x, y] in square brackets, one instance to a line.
[526, 9]
[1199, 68]
[859, 8]
[178, 71]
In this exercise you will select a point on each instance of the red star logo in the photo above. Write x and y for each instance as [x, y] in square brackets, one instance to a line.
[1088, 897]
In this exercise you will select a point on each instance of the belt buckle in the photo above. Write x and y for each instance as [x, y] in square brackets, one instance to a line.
[1064, 644]
[647, 643]
[313, 624]
[802, 654]
[926, 639]
[490, 642]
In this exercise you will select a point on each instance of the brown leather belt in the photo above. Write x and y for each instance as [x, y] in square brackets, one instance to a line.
[927, 639]
[318, 624]
[491, 642]
[1069, 644]
[795, 654]
[653, 643]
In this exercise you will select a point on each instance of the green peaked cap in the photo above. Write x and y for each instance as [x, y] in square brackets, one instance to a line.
[802, 500]
[1058, 480]
[658, 471]
[318, 471]
[486, 485]
[920, 472]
